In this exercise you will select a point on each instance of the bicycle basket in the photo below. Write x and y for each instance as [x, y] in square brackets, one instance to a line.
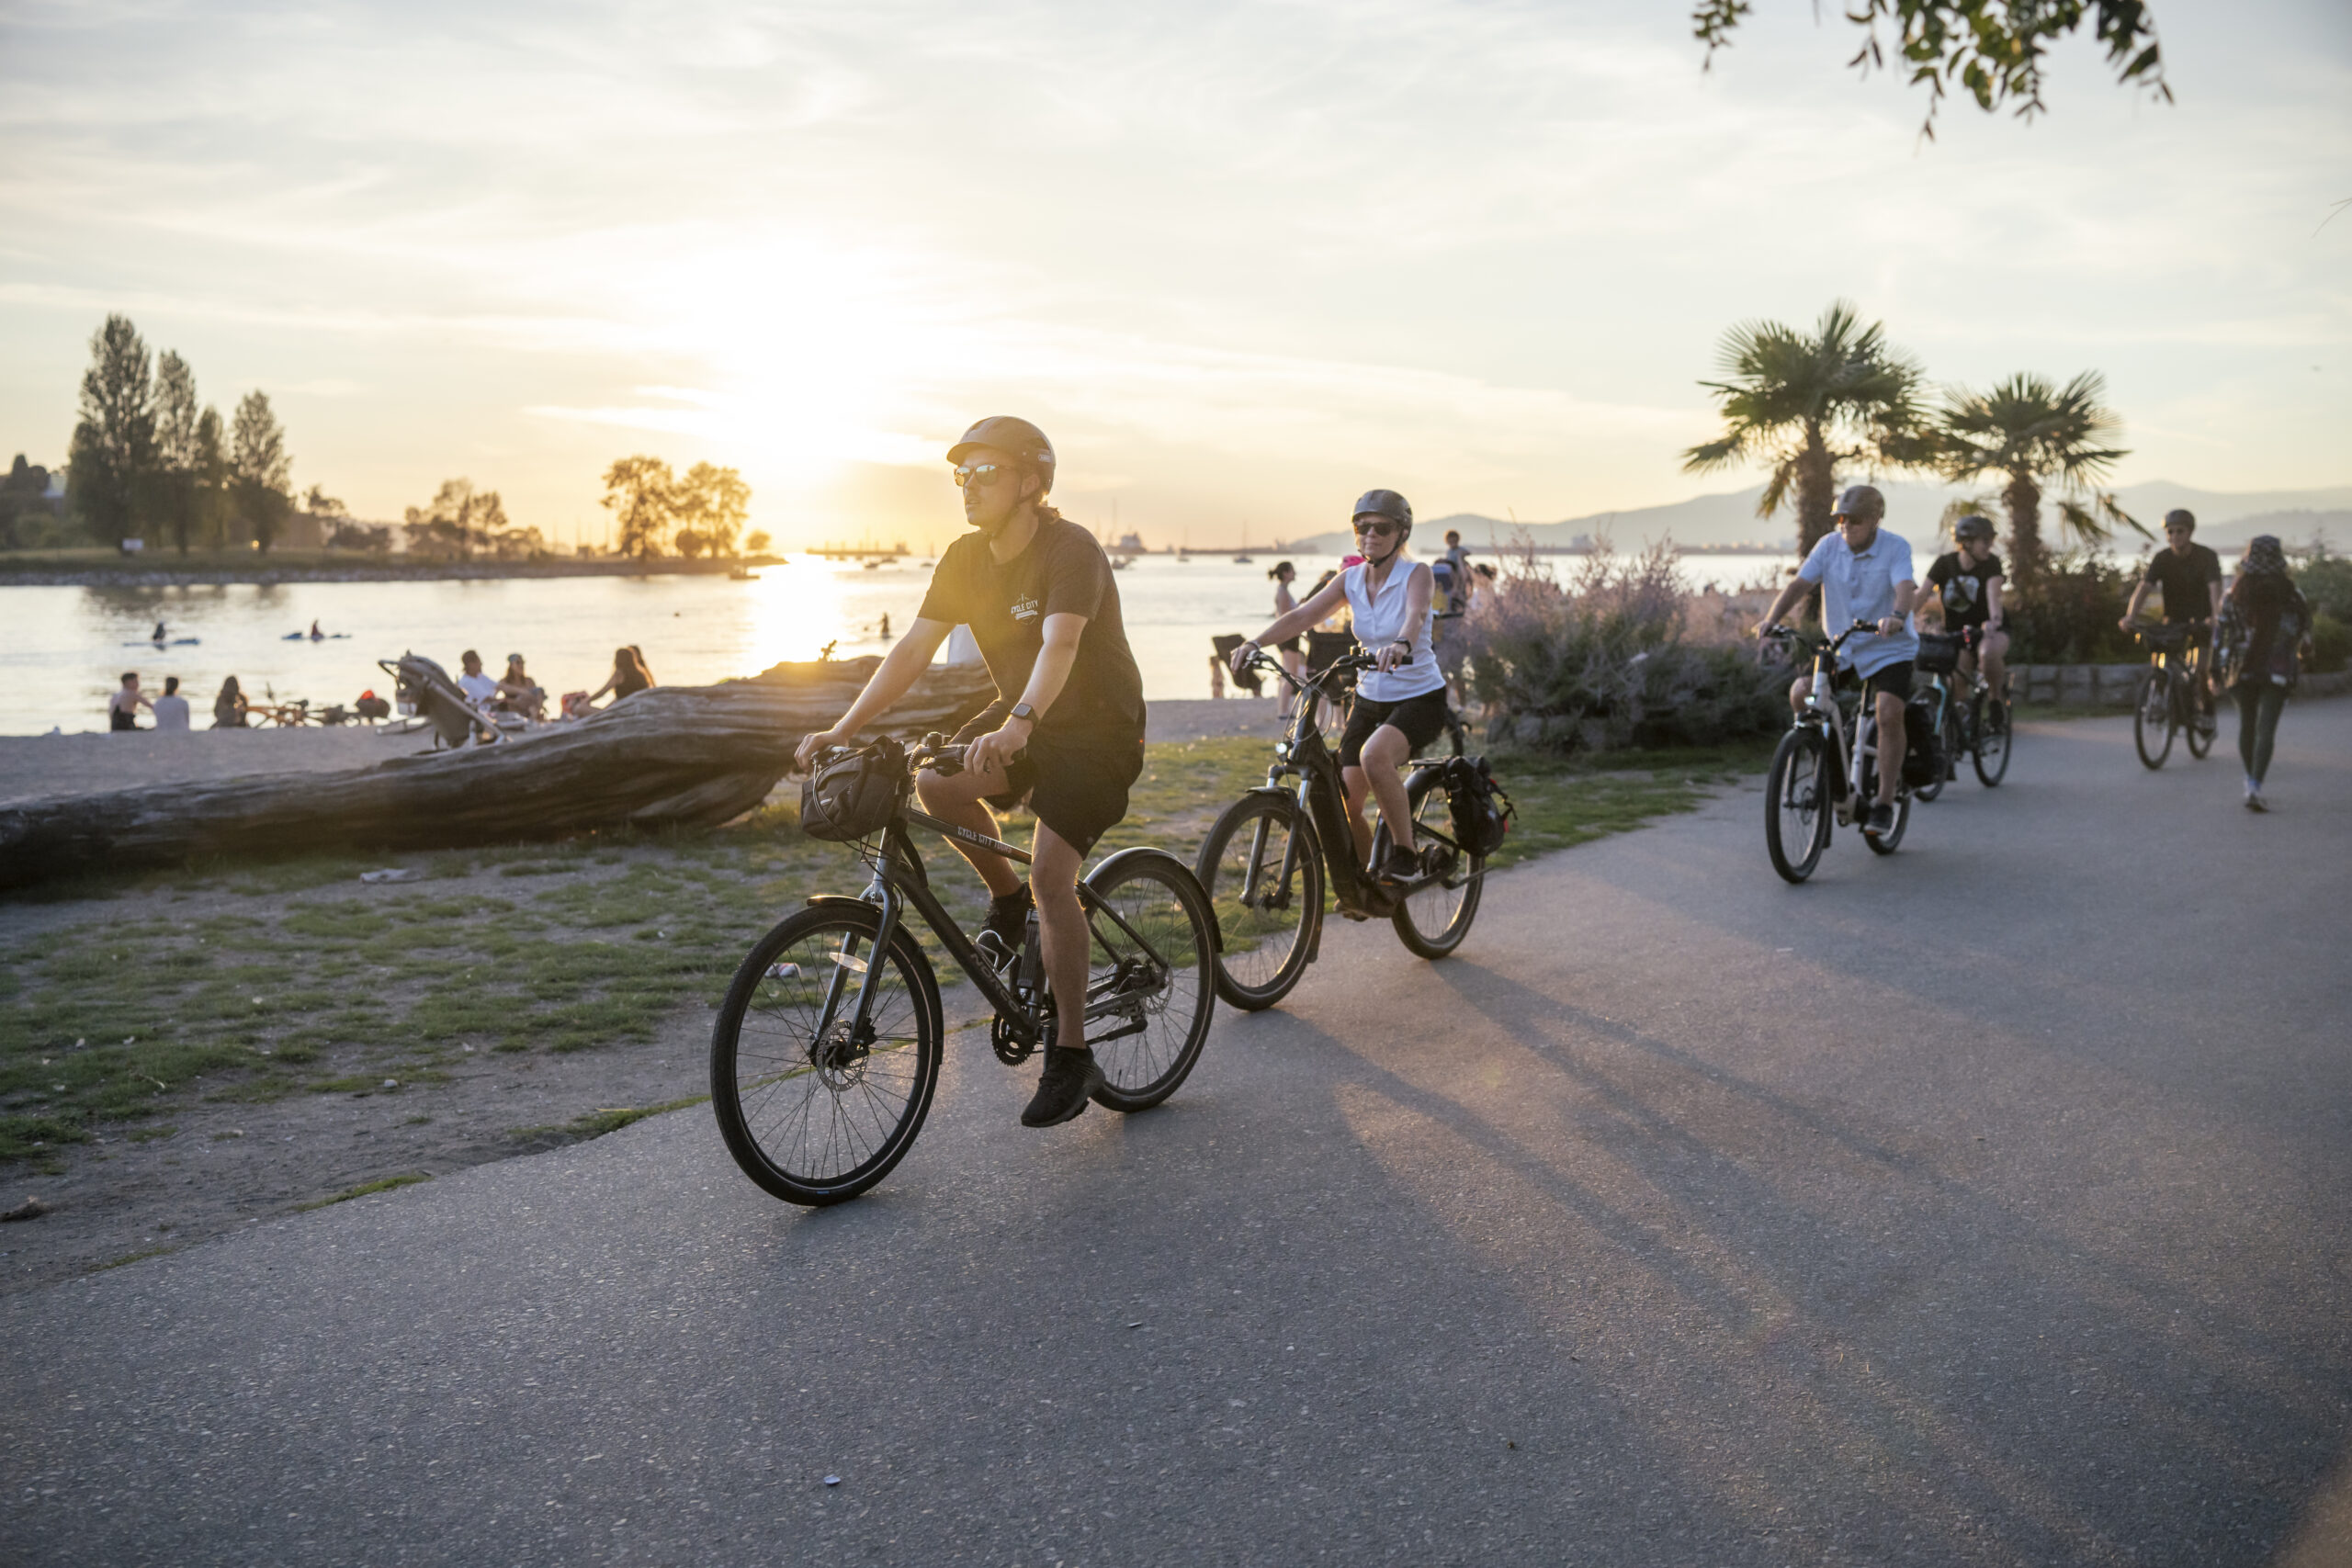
[854, 796]
[1938, 653]
[1482, 812]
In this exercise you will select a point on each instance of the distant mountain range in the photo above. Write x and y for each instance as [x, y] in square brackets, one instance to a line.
[2223, 519]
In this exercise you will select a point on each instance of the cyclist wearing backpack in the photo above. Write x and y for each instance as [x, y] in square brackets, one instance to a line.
[1865, 575]
[1967, 585]
[1400, 703]
[1065, 734]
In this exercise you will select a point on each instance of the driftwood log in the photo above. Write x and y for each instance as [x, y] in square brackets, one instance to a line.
[674, 755]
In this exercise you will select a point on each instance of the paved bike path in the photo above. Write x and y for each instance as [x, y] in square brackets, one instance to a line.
[1983, 1204]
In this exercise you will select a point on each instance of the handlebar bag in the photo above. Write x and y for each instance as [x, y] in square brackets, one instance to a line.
[854, 796]
[1938, 653]
[1482, 812]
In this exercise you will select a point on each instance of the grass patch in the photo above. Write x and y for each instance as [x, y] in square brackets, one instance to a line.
[132, 1258]
[149, 1134]
[1562, 804]
[384, 1184]
[597, 1124]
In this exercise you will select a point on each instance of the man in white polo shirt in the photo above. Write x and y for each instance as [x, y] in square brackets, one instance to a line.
[1865, 575]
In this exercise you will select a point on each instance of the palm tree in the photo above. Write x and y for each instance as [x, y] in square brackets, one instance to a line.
[2039, 434]
[1807, 404]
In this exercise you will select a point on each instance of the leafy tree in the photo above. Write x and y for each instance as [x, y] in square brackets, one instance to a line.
[1805, 404]
[460, 521]
[319, 504]
[2037, 435]
[23, 493]
[756, 542]
[212, 513]
[113, 456]
[642, 494]
[690, 543]
[713, 503]
[260, 473]
[1991, 50]
[179, 478]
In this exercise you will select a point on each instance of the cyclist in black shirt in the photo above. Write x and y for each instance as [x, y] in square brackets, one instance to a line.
[1066, 731]
[2191, 576]
[1967, 584]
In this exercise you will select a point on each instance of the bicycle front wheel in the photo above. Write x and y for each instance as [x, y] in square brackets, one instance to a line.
[1432, 920]
[1151, 977]
[1263, 876]
[1993, 743]
[2151, 720]
[2198, 725]
[814, 1107]
[1797, 805]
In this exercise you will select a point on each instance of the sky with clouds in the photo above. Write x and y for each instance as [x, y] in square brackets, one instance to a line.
[1241, 261]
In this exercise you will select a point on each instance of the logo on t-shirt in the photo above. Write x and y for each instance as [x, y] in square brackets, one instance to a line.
[1025, 608]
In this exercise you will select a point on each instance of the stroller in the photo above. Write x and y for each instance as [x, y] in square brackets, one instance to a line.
[424, 690]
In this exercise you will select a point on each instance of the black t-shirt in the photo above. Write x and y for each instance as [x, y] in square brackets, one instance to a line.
[1966, 590]
[2184, 579]
[1063, 571]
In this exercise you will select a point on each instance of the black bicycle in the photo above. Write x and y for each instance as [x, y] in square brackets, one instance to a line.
[2168, 702]
[1268, 857]
[827, 1049]
[1819, 780]
[1977, 724]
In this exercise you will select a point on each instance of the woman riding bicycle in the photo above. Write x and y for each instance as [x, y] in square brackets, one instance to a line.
[1400, 703]
[1065, 733]
[1964, 587]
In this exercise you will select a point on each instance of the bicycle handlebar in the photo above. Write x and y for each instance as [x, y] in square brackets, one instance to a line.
[1825, 645]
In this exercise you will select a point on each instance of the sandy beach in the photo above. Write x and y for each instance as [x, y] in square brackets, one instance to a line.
[34, 765]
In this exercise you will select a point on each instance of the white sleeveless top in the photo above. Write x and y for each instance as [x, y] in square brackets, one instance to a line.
[1379, 621]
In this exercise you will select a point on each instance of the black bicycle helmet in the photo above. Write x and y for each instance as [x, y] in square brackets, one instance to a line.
[1861, 500]
[1385, 503]
[1018, 437]
[1976, 526]
[2181, 517]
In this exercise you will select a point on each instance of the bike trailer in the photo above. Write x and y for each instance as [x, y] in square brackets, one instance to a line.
[1938, 653]
[853, 796]
[1482, 812]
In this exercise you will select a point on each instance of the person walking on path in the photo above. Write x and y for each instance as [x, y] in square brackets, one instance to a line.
[2270, 626]
[1065, 733]
[122, 709]
[171, 708]
[1865, 575]
[1290, 649]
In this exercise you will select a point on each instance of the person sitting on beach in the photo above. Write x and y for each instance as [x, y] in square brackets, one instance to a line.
[122, 709]
[630, 677]
[229, 707]
[517, 693]
[171, 708]
[480, 689]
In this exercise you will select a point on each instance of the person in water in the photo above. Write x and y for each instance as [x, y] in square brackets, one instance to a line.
[316, 635]
[122, 709]
[158, 634]
[229, 707]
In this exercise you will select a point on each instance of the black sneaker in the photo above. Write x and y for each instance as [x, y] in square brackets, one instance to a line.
[1069, 1079]
[1008, 923]
[1882, 821]
[1402, 865]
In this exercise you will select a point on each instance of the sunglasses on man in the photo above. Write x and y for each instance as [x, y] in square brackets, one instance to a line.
[981, 474]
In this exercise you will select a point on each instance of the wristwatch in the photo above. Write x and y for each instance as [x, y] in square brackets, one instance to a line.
[1022, 710]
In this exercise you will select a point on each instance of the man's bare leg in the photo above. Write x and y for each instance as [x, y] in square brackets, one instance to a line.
[956, 799]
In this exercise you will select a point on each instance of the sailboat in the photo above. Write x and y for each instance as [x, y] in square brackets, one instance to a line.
[1244, 557]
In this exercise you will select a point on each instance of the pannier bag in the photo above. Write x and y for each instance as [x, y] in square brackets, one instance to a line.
[1923, 750]
[1482, 812]
[1938, 653]
[854, 796]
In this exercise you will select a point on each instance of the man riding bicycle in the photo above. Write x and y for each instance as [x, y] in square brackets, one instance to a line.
[2190, 576]
[1065, 734]
[1865, 575]
[1966, 587]
[1400, 702]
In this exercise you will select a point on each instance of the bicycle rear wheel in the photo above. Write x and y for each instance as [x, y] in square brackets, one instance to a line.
[2151, 720]
[1993, 743]
[1263, 876]
[1797, 805]
[813, 1110]
[1432, 920]
[1151, 976]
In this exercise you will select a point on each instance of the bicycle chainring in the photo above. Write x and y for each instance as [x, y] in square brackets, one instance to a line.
[1009, 1048]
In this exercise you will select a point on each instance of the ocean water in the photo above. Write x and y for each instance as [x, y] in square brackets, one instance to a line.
[63, 650]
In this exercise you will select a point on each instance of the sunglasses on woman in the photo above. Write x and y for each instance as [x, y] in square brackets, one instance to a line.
[1379, 527]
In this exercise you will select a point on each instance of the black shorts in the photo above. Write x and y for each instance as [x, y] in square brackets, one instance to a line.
[1894, 678]
[1289, 645]
[1077, 785]
[1421, 719]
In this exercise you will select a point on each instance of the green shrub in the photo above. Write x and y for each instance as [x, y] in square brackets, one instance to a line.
[2331, 642]
[2326, 584]
[1601, 662]
[2069, 616]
